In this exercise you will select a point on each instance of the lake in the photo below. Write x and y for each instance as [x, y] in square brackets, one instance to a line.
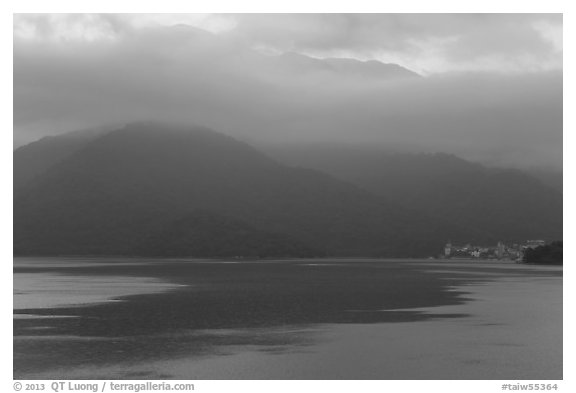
[122, 318]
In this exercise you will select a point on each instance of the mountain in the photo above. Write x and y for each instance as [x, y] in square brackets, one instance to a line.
[369, 69]
[501, 204]
[150, 189]
[551, 177]
[299, 64]
[203, 234]
[32, 159]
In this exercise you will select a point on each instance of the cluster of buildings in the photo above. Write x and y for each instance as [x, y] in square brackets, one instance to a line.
[500, 251]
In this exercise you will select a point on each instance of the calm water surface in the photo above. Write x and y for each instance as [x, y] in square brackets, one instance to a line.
[82, 318]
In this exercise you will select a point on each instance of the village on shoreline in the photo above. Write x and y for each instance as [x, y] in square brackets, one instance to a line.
[514, 252]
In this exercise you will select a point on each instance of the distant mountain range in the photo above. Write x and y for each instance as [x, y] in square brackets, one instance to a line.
[163, 190]
[500, 204]
[297, 64]
[154, 189]
[342, 67]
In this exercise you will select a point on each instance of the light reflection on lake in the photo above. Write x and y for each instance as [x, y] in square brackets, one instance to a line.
[44, 290]
[315, 319]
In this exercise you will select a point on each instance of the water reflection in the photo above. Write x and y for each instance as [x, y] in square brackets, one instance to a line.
[217, 309]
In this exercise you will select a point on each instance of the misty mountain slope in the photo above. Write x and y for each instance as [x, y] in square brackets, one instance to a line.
[370, 69]
[549, 177]
[296, 63]
[122, 188]
[35, 158]
[508, 204]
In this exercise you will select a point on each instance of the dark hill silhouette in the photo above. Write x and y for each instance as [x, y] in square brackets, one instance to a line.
[35, 158]
[120, 190]
[204, 234]
[501, 204]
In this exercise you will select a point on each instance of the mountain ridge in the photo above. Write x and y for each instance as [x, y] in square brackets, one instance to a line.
[343, 67]
[509, 203]
[121, 187]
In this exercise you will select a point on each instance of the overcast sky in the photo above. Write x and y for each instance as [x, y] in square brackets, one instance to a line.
[490, 86]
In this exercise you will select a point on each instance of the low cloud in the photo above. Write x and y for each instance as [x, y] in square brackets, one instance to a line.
[188, 74]
[425, 42]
